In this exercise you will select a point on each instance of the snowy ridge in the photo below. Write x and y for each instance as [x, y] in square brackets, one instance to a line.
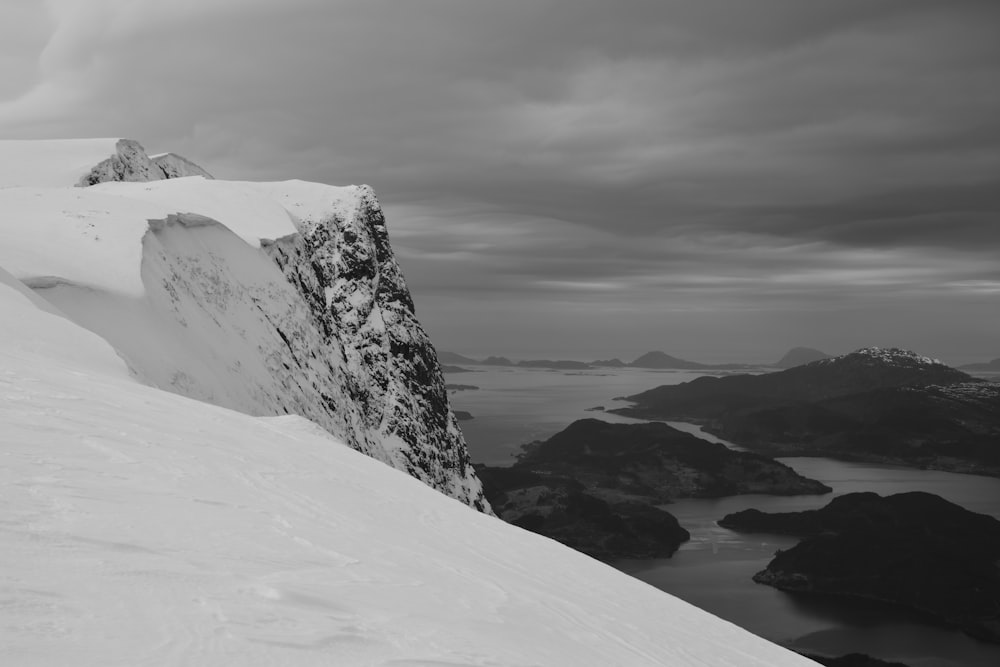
[892, 356]
[141, 527]
[318, 323]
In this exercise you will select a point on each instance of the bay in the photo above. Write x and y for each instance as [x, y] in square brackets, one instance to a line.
[713, 571]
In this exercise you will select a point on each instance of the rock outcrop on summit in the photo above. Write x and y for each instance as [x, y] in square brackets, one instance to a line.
[131, 164]
[876, 404]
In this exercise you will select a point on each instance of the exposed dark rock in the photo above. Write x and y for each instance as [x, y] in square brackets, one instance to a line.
[878, 405]
[915, 550]
[461, 387]
[344, 268]
[463, 416]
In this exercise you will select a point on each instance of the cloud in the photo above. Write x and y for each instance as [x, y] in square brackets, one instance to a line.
[692, 155]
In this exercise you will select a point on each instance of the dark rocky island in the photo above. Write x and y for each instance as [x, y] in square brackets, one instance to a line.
[562, 509]
[876, 405]
[914, 550]
[462, 415]
[656, 463]
[461, 387]
[595, 486]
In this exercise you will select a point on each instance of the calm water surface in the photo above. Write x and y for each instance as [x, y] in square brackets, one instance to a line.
[714, 569]
[514, 406]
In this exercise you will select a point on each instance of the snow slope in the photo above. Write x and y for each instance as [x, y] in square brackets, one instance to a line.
[267, 298]
[142, 527]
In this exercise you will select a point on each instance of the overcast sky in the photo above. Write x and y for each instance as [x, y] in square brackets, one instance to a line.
[719, 179]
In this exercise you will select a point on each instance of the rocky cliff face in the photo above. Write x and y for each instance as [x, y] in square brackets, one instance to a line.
[345, 270]
[318, 323]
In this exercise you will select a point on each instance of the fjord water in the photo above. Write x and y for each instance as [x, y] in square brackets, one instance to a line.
[514, 406]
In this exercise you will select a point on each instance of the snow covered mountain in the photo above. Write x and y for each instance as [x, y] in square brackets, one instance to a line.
[884, 405]
[267, 298]
[140, 526]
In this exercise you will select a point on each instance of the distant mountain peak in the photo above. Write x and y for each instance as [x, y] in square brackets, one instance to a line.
[446, 357]
[992, 365]
[798, 356]
[660, 359]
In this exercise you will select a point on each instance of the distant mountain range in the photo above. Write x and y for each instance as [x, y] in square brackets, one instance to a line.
[875, 404]
[452, 358]
[798, 356]
[988, 366]
[659, 360]
[656, 360]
